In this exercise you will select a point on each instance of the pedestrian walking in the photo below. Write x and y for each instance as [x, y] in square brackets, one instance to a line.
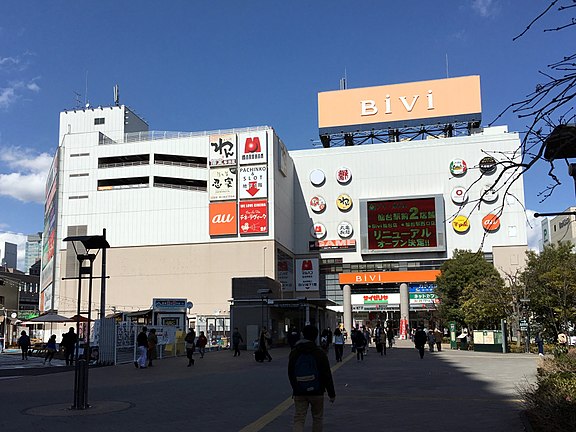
[359, 344]
[338, 344]
[201, 344]
[431, 340]
[69, 341]
[367, 338]
[390, 336]
[380, 339]
[263, 346]
[236, 340]
[540, 343]
[152, 343]
[293, 337]
[438, 335]
[189, 340]
[50, 350]
[142, 347]
[310, 377]
[420, 339]
[24, 344]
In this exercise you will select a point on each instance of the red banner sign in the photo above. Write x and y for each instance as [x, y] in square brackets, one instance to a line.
[253, 217]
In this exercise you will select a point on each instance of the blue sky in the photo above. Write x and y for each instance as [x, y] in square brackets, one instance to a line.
[187, 65]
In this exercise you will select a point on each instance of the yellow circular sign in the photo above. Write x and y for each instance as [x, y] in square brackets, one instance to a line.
[461, 224]
[344, 202]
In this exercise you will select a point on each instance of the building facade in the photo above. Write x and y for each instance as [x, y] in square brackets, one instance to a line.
[33, 250]
[562, 228]
[363, 227]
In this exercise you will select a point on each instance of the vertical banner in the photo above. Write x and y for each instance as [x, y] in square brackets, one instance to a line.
[307, 274]
[223, 151]
[253, 181]
[252, 148]
[222, 183]
[253, 217]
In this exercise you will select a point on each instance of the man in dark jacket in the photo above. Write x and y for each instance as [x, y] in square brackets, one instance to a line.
[420, 339]
[309, 382]
[69, 341]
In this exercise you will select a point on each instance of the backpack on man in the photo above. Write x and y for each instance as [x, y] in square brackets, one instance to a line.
[307, 374]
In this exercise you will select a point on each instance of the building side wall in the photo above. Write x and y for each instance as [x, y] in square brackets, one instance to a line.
[405, 169]
[201, 273]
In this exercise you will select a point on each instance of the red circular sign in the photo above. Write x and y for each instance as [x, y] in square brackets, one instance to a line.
[491, 222]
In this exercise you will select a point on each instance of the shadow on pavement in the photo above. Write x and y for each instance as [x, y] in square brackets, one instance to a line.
[446, 391]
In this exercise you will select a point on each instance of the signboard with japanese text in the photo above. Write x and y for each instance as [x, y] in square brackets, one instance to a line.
[285, 270]
[49, 236]
[398, 225]
[253, 181]
[360, 299]
[337, 245]
[421, 287]
[223, 183]
[423, 297]
[253, 217]
[223, 151]
[252, 148]
[169, 305]
[223, 219]
[307, 274]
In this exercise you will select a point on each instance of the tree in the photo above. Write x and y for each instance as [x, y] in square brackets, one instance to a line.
[550, 280]
[485, 302]
[549, 105]
[460, 277]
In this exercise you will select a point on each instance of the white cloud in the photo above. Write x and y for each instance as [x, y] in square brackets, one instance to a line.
[7, 97]
[8, 61]
[533, 231]
[27, 180]
[484, 8]
[32, 86]
[15, 90]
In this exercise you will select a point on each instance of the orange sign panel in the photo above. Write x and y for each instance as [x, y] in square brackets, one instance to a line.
[223, 218]
[401, 105]
[389, 277]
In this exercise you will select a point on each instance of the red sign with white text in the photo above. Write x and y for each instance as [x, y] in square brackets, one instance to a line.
[253, 217]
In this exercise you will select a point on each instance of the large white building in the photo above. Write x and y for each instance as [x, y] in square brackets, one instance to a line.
[185, 213]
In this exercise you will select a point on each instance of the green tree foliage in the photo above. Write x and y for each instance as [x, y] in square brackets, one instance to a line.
[486, 301]
[550, 280]
[464, 280]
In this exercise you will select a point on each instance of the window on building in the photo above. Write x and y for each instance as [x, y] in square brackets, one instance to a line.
[71, 260]
[123, 183]
[189, 161]
[180, 183]
[99, 121]
[120, 161]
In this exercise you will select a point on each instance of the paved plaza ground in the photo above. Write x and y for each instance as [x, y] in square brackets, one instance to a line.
[446, 391]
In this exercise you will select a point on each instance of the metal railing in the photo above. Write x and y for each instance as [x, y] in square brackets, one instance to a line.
[163, 135]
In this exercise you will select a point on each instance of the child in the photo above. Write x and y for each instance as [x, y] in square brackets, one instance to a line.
[50, 350]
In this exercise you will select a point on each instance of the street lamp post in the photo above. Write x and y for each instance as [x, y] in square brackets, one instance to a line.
[82, 365]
